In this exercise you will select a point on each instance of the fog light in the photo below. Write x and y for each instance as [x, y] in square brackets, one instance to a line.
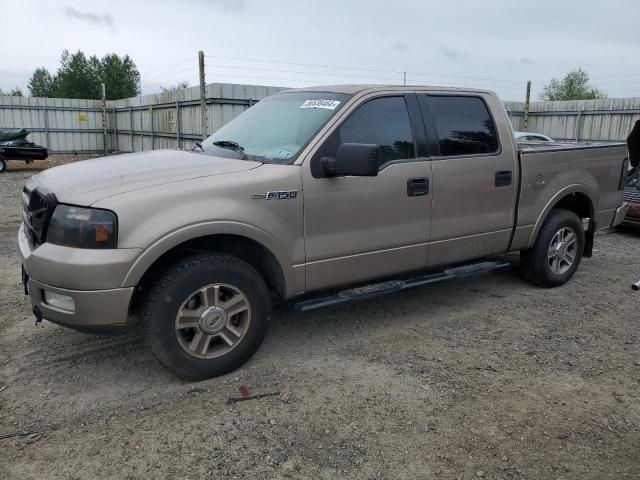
[63, 302]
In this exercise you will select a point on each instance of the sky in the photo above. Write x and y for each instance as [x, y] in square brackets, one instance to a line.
[497, 44]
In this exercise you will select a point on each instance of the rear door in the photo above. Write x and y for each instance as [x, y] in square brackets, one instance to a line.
[359, 228]
[474, 176]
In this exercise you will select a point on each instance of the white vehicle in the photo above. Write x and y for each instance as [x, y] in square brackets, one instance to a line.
[531, 137]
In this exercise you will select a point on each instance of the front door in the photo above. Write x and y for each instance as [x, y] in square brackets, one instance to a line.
[359, 228]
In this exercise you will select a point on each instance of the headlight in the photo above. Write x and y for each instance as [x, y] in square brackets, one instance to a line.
[83, 227]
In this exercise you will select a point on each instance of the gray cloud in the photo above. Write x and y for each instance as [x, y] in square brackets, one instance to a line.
[103, 20]
[522, 61]
[400, 46]
[454, 55]
[234, 6]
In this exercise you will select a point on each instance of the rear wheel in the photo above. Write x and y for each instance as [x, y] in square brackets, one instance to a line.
[3, 165]
[557, 252]
[206, 315]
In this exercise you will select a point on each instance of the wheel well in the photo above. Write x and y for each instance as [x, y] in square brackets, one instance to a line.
[252, 252]
[581, 205]
[577, 203]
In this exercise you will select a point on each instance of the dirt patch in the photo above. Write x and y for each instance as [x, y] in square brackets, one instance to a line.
[487, 378]
[51, 161]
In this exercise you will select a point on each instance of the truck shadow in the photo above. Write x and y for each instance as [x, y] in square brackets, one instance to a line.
[123, 359]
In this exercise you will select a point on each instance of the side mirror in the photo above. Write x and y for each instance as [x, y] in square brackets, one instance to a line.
[355, 159]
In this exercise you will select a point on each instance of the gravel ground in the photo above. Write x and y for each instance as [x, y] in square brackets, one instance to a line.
[486, 378]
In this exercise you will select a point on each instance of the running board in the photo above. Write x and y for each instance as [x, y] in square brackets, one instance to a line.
[393, 286]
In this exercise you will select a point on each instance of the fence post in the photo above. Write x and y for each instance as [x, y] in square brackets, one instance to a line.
[178, 139]
[578, 125]
[153, 138]
[104, 119]
[526, 107]
[46, 126]
[141, 126]
[131, 127]
[115, 127]
[203, 93]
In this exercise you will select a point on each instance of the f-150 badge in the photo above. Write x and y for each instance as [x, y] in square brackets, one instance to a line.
[278, 195]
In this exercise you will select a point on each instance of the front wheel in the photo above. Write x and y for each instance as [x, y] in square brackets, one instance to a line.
[206, 315]
[557, 252]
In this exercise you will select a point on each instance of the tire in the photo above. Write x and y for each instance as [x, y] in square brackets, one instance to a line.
[188, 315]
[3, 165]
[545, 268]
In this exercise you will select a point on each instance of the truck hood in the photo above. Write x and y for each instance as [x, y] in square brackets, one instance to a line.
[86, 182]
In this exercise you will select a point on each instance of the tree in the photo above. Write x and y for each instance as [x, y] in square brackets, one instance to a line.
[574, 86]
[120, 76]
[175, 88]
[78, 76]
[14, 92]
[42, 83]
[81, 77]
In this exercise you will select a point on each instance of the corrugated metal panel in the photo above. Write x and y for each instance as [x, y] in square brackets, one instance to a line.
[167, 121]
[609, 119]
[72, 124]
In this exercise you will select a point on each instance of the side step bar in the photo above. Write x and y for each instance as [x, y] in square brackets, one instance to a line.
[393, 286]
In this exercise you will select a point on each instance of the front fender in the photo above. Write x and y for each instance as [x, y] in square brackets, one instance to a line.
[189, 232]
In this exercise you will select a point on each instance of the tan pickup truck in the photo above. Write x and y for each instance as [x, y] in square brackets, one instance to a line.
[370, 188]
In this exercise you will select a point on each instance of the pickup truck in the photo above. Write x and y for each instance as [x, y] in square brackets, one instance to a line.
[310, 191]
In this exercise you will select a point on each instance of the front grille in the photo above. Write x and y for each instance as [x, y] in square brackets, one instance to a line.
[38, 205]
[632, 195]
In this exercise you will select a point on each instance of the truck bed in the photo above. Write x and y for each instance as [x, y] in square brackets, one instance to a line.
[589, 170]
[527, 147]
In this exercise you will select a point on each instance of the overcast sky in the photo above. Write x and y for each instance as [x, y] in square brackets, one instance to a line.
[497, 44]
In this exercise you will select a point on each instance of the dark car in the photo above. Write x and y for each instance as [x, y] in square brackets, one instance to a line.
[632, 197]
[632, 188]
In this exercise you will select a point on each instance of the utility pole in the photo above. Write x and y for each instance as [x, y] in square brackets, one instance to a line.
[203, 100]
[526, 107]
[404, 78]
[104, 119]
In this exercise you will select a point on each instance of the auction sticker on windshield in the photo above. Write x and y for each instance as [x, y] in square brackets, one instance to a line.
[319, 103]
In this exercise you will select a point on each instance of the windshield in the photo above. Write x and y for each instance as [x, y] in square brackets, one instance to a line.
[275, 129]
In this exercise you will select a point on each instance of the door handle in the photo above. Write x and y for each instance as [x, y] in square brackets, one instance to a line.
[503, 178]
[416, 187]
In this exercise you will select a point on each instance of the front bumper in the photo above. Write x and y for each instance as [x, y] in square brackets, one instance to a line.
[91, 308]
[92, 279]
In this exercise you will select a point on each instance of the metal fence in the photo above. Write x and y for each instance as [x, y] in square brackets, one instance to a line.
[173, 119]
[608, 119]
[170, 120]
[62, 125]
[147, 122]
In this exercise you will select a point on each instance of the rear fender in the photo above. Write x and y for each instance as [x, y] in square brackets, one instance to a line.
[551, 204]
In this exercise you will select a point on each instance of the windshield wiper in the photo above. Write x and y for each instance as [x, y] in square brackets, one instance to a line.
[197, 144]
[229, 145]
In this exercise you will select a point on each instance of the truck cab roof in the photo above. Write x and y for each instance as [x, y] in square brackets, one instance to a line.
[372, 88]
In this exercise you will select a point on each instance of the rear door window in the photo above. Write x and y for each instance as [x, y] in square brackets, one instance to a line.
[464, 125]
